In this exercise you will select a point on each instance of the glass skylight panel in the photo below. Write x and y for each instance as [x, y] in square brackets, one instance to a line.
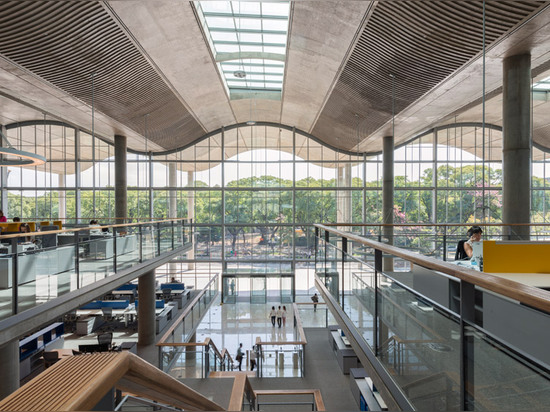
[253, 28]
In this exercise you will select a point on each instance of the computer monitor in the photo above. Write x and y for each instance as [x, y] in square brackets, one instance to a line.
[477, 250]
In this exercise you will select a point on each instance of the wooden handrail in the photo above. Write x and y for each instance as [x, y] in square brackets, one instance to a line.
[535, 297]
[241, 385]
[189, 308]
[77, 383]
[80, 229]
[432, 224]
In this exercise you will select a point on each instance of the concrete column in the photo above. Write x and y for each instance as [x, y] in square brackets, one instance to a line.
[121, 181]
[4, 178]
[516, 145]
[78, 185]
[9, 368]
[191, 211]
[172, 193]
[62, 207]
[172, 203]
[387, 195]
[146, 309]
[343, 212]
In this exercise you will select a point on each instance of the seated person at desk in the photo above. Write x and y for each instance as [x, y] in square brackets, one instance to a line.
[16, 219]
[25, 228]
[3, 218]
[94, 223]
[475, 236]
[173, 280]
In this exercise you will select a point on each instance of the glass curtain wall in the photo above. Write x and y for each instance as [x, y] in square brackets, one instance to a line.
[255, 191]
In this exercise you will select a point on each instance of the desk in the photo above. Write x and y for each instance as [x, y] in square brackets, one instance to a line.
[538, 280]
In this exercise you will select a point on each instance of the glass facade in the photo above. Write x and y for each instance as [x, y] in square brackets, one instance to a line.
[255, 191]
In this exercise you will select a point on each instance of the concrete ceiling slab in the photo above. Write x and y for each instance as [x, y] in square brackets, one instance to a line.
[170, 35]
[319, 42]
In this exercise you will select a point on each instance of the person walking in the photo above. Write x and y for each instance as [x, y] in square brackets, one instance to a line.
[284, 316]
[273, 315]
[240, 355]
[279, 317]
[253, 357]
[315, 300]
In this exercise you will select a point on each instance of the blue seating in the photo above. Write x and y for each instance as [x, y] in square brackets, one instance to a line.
[159, 303]
[173, 286]
[98, 304]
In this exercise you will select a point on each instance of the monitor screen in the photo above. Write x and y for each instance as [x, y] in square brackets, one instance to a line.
[478, 250]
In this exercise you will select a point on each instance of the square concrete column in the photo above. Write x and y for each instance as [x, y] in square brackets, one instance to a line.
[387, 195]
[516, 146]
[9, 368]
[121, 180]
[146, 309]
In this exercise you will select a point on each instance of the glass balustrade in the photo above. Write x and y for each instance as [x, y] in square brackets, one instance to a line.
[42, 267]
[441, 341]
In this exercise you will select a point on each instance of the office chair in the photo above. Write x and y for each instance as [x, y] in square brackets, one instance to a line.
[460, 253]
[167, 294]
[76, 352]
[105, 339]
[50, 358]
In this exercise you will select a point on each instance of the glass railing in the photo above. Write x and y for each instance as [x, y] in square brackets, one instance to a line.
[40, 266]
[441, 335]
[183, 359]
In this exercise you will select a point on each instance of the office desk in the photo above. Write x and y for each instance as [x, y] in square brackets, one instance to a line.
[538, 280]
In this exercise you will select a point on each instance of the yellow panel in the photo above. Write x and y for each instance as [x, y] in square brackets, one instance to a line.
[32, 225]
[12, 227]
[58, 223]
[45, 223]
[510, 257]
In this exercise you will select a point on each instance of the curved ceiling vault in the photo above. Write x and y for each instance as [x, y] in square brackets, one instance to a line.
[422, 44]
[65, 42]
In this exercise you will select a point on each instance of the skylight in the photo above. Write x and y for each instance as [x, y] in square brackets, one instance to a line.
[248, 40]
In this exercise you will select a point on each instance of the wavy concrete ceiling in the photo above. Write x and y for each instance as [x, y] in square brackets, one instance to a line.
[412, 46]
[156, 77]
[65, 42]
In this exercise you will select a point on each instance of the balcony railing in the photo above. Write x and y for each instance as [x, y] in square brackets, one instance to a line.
[41, 266]
[433, 335]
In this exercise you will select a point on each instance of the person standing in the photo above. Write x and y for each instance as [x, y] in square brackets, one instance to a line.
[279, 317]
[240, 355]
[315, 300]
[284, 315]
[273, 315]
[253, 357]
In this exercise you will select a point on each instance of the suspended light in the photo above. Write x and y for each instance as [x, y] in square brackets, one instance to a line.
[9, 156]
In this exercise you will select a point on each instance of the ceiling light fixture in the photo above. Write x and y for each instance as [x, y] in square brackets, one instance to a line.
[9, 156]
[241, 74]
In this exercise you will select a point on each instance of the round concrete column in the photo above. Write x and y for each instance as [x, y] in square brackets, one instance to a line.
[121, 181]
[387, 195]
[9, 368]
[146, 309]
[172, 182]
[516, 145]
